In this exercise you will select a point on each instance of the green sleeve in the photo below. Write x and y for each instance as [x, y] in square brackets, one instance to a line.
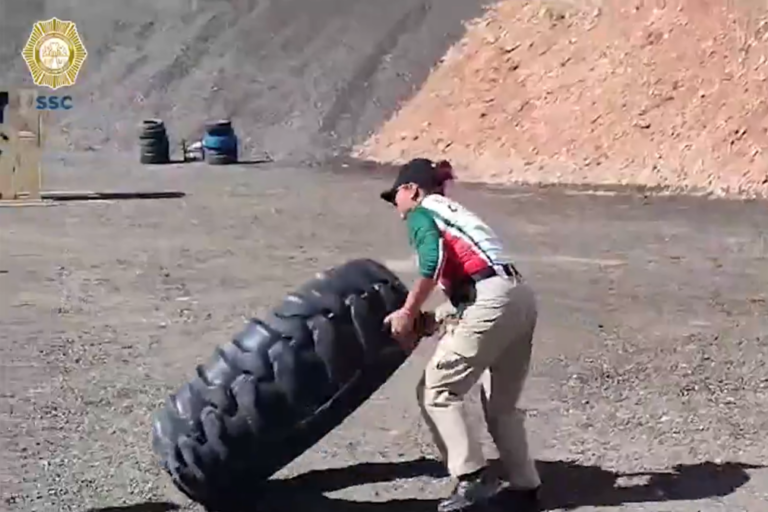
[426, 240]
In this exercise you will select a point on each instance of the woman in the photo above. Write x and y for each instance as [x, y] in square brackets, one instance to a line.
[490, 341]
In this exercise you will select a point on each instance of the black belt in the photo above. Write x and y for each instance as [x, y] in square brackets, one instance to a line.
[463, 293]
[505, 270]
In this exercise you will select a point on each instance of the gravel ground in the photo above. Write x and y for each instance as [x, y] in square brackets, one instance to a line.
[647, 390]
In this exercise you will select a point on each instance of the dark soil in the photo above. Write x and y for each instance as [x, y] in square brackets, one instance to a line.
[647, 390]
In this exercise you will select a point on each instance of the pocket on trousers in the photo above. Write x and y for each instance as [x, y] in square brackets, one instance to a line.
[451, 361]
[450, 375]
[476, 333]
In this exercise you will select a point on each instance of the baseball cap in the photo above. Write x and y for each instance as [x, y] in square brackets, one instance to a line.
[419, 171]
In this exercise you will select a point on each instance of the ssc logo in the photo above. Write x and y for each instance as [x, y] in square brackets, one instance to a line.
[54, 53]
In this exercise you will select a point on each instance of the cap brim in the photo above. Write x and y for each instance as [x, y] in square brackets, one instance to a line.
[389, 195]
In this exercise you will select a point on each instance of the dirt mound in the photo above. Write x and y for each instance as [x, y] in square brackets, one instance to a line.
[658, 93]
[297, 77]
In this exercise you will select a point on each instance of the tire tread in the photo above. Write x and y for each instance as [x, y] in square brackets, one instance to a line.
[280, 385]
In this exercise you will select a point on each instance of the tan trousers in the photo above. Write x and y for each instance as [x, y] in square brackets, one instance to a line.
[491, 343]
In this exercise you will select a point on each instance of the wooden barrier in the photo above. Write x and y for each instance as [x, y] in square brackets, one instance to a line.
[21, 141]
[22, 137]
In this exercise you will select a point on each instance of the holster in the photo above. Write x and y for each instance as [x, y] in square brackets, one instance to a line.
[462, 294]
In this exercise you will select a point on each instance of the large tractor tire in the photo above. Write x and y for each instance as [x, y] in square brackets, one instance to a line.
[280, 386]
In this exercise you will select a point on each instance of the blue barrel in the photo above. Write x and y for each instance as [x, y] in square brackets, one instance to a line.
[220, 144]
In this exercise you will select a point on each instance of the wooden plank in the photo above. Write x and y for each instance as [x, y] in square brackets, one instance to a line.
[27, 179]
[20, 146]
[18, 203]
[7, 148]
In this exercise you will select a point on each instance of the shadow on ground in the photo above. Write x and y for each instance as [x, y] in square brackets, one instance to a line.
[568, 486]
[159, 506]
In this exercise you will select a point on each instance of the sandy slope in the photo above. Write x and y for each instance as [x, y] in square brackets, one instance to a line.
[669, 93]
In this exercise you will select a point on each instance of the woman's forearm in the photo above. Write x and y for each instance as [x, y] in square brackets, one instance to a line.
[419, 295]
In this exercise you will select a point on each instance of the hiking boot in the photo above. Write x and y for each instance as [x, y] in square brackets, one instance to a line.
[469, 492]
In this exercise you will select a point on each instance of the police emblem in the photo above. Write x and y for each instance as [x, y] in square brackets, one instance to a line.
[54, 53]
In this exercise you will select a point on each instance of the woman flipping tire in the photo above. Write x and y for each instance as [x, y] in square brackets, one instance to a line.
[281, 385]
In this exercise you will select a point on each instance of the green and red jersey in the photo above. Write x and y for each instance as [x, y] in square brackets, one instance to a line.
[451, 242]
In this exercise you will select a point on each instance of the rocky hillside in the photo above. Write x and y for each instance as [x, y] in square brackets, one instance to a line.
[299, 79]
[660, 93]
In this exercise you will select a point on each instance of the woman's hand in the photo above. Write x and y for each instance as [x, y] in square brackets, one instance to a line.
[401, 324]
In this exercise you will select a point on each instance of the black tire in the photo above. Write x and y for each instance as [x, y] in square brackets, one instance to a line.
[280, 386]
[152, 129]
[154, 145]
[153, 142]
[213, 158]
[158, 149]
[154, 158]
